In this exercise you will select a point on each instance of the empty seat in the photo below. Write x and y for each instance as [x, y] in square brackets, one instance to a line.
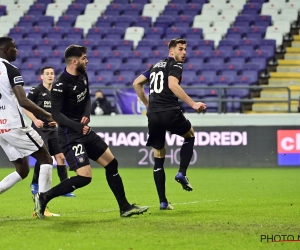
[134, 34]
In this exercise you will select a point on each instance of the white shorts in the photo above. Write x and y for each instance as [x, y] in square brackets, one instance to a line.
[20, 142]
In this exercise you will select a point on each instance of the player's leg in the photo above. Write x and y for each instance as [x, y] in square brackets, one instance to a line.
[181, 126]
[56, 150]
[99, 152]
[34, 186]
[78, 159]
[156, 139]
[22, 170]
[62, 170]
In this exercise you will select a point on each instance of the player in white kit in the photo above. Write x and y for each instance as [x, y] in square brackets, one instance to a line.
[17, 138]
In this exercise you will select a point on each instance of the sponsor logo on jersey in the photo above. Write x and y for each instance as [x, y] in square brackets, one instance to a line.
[57, 90]
[176, 65]
[59, 84]
[44, 94]
[74, 88]
[3, 121]
[2, 131]
[18, 79]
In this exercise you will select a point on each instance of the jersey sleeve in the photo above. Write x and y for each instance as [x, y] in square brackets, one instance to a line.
[176, 70]
[14, 75]
[33, 94]
[147, 73]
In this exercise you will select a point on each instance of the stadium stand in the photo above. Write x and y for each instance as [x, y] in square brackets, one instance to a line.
[231, 43]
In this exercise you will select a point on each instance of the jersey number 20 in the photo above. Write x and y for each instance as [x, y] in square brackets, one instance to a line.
[154, 82]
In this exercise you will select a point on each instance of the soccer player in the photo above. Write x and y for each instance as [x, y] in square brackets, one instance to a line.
[41, 96]
[164, 114]
[17, 139]
[71, 108]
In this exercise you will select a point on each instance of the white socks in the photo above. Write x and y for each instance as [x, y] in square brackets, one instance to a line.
[9, 181]
[45, 178]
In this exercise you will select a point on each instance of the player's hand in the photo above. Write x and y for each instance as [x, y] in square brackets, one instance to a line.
[52, 124]
[38, 123]
[86, 130]
[85, 120]
[199, 106]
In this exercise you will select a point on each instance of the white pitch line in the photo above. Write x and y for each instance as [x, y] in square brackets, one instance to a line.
[110, 210]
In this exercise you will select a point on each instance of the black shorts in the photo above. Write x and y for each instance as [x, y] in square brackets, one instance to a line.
[160, 122]
[79, 148]
[50, 138]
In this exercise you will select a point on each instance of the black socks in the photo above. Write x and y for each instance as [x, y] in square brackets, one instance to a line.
[186, 154]
[160, 178]
[62, 172]
[115, 183]
[66, 186]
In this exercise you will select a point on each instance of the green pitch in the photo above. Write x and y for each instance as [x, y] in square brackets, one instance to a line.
[228, 209]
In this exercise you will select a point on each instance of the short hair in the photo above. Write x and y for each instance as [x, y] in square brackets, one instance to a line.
[75, 51]
[98, 90]
[175, 41]
[5, 40]
[44, 68]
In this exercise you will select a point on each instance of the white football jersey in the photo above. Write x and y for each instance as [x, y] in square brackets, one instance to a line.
[11, 113]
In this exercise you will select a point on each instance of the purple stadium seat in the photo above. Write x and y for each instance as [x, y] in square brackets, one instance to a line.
[237, 30]
[206, 43]
[18, 30]
[258, 1]
[35, 36]
[223, 80]
[83, 1]
[53, 61]
[214, 64]
[207, 76]
[48, 42]
[105, 21]
[56, 31]
[100, 80]
[229, 42]
[201, 52]
[235, 106]
[154, 31]
[164, 21]
[245, 18]
[122, 80]
[253, 6]
[233, 36]
[174, 32]
[117, 54]
[192, 9]
[254, 36]
[147, 43]
[127, 73]
[245, 24]
[257, 64]
[267, 53]
[222, 52]
[249, 42]
[188, 77]
[46, 2]
[194, 33]
[37, 9]
[249, 12]
[38, 30]
[247, 77]
[242, 53]
[133, 9]
[198, 1]
[143, 21]
[124, 21]
[263, 18]
[190, 66]
[257, 30]
[241, 93]
[66, 21]
[234, 64]
[45, 21]
[27, 21]
[75, 9]
[114, 9]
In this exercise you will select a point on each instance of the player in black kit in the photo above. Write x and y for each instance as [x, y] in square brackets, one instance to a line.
[71, 108]
[41, 96]
[164, 114]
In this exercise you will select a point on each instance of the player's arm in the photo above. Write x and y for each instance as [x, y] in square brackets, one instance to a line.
[138, 86]
[16, 82]
[32, 95]
[57, 96]
[173, 83]
[87, 110]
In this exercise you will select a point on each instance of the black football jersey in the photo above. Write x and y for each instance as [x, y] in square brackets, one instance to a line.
[161, 98]
[69, 96]
[41, 96]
